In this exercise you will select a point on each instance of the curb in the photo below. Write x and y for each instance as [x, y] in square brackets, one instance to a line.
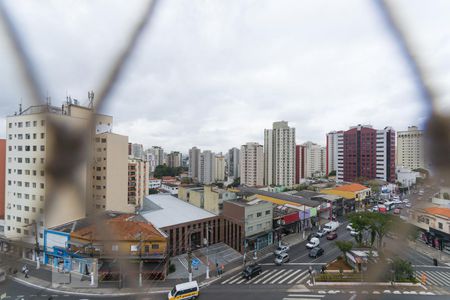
[83, 293]
[346, 283]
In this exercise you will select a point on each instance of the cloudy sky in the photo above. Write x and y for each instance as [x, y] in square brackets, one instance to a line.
[216, 73]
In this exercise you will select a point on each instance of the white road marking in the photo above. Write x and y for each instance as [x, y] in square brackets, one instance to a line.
[271, 272]
[297, 277]
[306, 295]
[235, 280]
[274, 280]
[257, 277]
[231, 278]
[275, 274]
[290, 275]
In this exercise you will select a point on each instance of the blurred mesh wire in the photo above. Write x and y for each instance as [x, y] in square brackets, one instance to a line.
[71, 142]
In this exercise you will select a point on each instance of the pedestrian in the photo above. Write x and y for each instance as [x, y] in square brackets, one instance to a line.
[26, 272]
[217, 269]
[222, 267]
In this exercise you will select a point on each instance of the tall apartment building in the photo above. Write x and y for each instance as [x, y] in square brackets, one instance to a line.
[174, 159]
[138, 181]
[252, 164]
[136, 150]
[206, 167]
[334, 146]
[279, 155]
[194, 161]
[233, 163]
[310, 161]
[367, 153]
[158, 153]
[2, 177]
[411, 148]
[110, 173]
[219, 167]
[30, 141]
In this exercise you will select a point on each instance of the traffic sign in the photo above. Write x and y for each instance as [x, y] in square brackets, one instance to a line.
[195, 262]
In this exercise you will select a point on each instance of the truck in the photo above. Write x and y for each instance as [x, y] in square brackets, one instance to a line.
[331, 226]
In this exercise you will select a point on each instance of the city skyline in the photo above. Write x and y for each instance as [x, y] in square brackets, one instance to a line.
[197, 90]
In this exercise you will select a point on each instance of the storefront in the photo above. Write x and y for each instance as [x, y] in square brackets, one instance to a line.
[437, 239]
[259, 241]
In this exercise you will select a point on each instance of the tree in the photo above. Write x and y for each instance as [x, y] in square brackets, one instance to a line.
[164, 170]
[374, 185]
[344, 246]
[186, 180]
[236, 182]
[381, 224]
[360, 222]
[446, 196]
[332, 173]
[402, 269]
[152, 191]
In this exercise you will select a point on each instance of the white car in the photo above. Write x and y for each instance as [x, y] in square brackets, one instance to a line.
[349, 227]
[354, 232]
[408, 205]
[314, 242]
[281, 249]
[321, 233]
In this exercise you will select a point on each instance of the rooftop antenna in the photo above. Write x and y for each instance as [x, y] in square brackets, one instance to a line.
[91, 99]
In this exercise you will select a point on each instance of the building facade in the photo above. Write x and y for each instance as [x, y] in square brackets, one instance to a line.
[136, 151]
[252, 164]
[310, 161]
[411, 148]
[206, 167]
[194, 163]
[219, 167]
[233, 163]
[333, 147]
[138, 180]
[2, 177]
[174, 159]
[279, 155]
[367, 153]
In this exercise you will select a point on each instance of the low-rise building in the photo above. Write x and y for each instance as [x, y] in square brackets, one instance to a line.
[354, 194]
[186, 225]
[154, 183]
[442, 198]
[170, 188]
[113, 240]
[248, 224]
[209, 197]
[406, 177]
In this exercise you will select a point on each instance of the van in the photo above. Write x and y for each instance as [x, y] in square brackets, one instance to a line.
[331, 226]
[187, 290]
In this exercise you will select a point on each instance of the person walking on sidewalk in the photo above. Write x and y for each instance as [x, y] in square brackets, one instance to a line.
[217, 270]
[26, 272]
[222, 267]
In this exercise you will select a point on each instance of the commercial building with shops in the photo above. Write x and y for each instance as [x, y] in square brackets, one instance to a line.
[434, 223]
[118, 243]
[248, 223]
[208, 197]
[354, 195]
[186, 225]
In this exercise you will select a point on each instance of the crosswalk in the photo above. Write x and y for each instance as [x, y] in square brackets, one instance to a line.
[438, 278]
[271, 276]
[303, 297]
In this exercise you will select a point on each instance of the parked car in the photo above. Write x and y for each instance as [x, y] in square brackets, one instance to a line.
[316, 252]
[251, 271]
[321, 233]
[354, 232]
[314, 242]
[397, 211]
[408, 205]
[281, 258]
[281, 249]
[311, 235]
[332, 235]
[349, 226]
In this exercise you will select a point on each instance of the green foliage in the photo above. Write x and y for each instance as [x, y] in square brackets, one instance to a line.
[378, 224]
[301, 187]
[446, 196]
[152, 191]
[172, 267]
[164, 170]
[344, 246]
[332, 173]
[403, 269]
[186, 180]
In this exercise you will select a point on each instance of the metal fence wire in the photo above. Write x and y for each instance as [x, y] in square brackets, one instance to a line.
[74, 143]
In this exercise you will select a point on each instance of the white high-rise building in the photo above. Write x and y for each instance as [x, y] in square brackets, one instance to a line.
[158, 153]
[233, 163]
[174, 159]
[137, 151]
[311, 160]
[279, 155]
[152, 163]
[194, 162]
[219, 167]
[332, 150]
[411, 148]
[252, 164]
[206, 167]
[30, 141]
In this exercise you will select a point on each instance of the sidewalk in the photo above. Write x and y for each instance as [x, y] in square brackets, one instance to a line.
[42, 278]
[442, 257]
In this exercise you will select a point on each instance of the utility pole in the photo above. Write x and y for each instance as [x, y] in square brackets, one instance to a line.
[207, 251]
[140, 259]
[190, 257]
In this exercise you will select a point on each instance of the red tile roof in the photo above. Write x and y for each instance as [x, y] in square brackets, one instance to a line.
[441, 211]
[353, 187]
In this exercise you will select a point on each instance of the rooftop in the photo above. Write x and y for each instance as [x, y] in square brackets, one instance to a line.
[242, 202]
[123, 226]
[165, 210]
[280, 196]
[353, 187]
[440, 211]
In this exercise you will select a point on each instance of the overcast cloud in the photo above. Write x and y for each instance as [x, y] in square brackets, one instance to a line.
[216, 73]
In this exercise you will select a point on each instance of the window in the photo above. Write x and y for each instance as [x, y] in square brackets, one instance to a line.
[42, 185]
[250, 228]
[27, 124]
[26, 232]
[42, 122]
[20, 124]
[10, 125]
[26, 208]
[259, 226]
[18, 230]
[115, 248]
[18, 219]
[250, 216]
[42, 148]
[441, 226]
[258, 215]
[34, 123]
[34, 136]
[26, 220]
[155, 246]
[42, 135]
[267, 212]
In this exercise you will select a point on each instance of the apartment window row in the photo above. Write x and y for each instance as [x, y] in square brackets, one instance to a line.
[26, 172]
[25, 184]
[26, 123]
